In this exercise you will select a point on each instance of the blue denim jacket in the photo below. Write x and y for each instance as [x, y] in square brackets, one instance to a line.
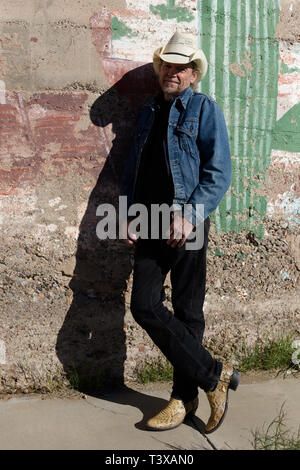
[198, 151]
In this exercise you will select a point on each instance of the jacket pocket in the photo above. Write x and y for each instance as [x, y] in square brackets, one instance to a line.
[189, 128]
[187, 141]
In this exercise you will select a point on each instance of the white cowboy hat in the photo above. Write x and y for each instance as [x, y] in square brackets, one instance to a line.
[181, 49]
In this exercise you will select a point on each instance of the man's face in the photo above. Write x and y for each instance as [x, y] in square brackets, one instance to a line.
[175, 78]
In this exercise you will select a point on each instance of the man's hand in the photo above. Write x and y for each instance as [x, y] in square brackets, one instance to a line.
[180, 229]
[130, 237]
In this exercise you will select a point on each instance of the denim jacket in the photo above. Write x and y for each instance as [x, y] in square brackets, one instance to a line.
[198, 152]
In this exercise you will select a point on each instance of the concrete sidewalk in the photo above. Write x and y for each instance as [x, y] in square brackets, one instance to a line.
[115, 420]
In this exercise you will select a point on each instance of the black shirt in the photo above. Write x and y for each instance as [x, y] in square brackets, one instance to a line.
[154, 182]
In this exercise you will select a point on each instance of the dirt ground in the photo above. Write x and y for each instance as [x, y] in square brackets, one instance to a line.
[250, 377]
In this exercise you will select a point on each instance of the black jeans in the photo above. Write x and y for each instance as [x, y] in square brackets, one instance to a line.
[178, 336]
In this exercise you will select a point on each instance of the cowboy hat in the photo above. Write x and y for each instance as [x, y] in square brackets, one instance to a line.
[181, 49]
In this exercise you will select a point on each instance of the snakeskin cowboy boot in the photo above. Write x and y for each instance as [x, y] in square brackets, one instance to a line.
[172, 415]
[218, 399]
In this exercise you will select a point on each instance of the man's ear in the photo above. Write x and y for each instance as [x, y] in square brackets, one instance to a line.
[194, 77]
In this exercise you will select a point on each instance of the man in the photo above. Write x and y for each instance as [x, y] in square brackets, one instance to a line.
[180, 156]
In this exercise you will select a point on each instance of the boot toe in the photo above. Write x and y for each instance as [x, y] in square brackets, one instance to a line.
[172, 415]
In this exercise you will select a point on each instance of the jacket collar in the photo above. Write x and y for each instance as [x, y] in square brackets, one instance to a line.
[185, 96]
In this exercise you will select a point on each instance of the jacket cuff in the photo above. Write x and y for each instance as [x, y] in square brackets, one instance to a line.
[194, 213]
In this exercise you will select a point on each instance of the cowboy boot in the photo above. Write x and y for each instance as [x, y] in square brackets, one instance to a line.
[172, 415]
[218, 399]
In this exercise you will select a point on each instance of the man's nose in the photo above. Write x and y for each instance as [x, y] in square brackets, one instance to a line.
[171, 71]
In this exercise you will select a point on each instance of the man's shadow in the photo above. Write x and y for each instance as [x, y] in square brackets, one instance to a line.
[91, 344]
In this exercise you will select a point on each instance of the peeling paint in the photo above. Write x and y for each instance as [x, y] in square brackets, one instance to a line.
[288, 92]
[42, 136]
[290, 160]
[247, 64]
[36, 112]
[284, 68]
[287, 205]
[172, 10]
[136, 50]
[119, 29]
[286, 133]
[237, 70]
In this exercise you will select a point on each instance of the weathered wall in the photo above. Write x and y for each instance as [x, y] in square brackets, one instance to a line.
[72, 77]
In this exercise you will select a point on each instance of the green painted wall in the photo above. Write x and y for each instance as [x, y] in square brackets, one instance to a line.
[238, 38]
[286, 133]
[119, 29]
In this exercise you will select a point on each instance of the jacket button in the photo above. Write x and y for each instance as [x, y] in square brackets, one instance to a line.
[191, 129]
